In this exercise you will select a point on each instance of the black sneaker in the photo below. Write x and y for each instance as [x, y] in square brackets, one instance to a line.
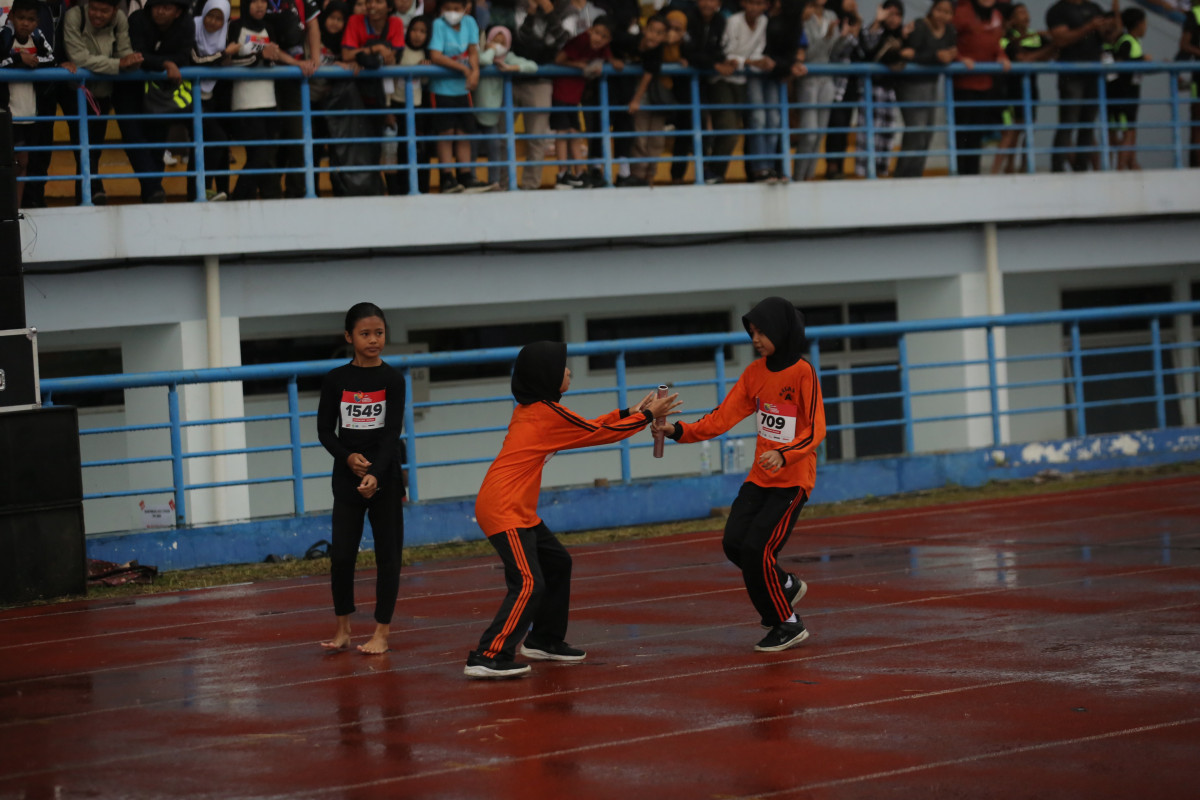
[782, 636]
[470, 184]
[712, 179]
[794, 594]
[596, 179]
[565, 182]
[630, 180]
[449, 184]
[556, 651]
[479, 666]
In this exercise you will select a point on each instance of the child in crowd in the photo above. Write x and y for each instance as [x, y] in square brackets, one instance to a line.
[24, 45]
[415, 53]
[1189, 50]
[823, 33]
[497, 52]
[680, 119]
[744, 42]
[703, 50]
[253, 42]
[537, 568]
[373, 40]
[359, 419]
[932, 42]
[588, 52]
[784, 392]
[1022, 46]
[407, 10]
[212, 37]
[882, 43]
[455, 45]
[1126, 90]
[651, 89]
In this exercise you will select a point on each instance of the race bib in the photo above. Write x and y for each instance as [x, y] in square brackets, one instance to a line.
[777, 421]
[364, 410]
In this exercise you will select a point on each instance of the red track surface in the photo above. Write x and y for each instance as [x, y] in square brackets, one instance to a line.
[1038, 647]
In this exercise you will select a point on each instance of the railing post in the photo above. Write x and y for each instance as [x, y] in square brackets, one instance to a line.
[310, 178]
[719, 369]
[1077, 368]
[606, 145]
[176, 455]
[1102, 119]
[951, 132]
[1160, 399]
[410, 135]
[869, 123]
[297, 453]
[85, 146]
[1177, 138]
[1027, 102]
[622, 403]
[905, 394]
[697, 132]
[785, 131]
[198, 139]
[410, 438]
[510, 136]
[993, 389]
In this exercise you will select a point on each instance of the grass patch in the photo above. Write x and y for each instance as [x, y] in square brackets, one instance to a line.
[208, 577]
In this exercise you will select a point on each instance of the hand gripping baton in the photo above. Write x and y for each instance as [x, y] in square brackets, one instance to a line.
[659, 437]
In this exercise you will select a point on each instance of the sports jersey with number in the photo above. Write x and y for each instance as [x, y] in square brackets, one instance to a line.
[789, 416]
[361, 411]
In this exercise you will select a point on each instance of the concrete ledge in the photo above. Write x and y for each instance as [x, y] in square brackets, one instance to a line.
[693, 497]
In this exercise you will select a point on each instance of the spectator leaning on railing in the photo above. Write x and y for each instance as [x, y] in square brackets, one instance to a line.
[980, 27]
[826, 40]
[26, 42]
[539, 37]
[932, 43]
[1189, 50]
[1022, 45]
[1075, 30]
[882, 43]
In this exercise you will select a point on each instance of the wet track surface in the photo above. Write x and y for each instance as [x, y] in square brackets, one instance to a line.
[1045, 646]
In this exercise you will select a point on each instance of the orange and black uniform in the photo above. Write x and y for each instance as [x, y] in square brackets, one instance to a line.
[537, 568]
[784, 393]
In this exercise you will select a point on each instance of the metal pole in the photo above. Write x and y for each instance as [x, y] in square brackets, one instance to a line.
[1160, 400]
[310, 177]
[1102, 119]
[198, 140]
[993, 388]
[216, 394]
[1077, 362]
[951, 132]
[1177, 137]
[410, 438]
[906, 395]
[176, 455]
[1027, 102]
[785, 135]
[697, 133]
[410, 137]
[297, 453]
[869, 123]
[606, 145]
[85, 146]
[510, 140]
[621, 403]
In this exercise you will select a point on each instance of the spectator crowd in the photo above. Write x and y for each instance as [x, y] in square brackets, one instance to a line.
[754, 54]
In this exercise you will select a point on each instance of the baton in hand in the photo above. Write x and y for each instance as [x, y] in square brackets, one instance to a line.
[659, 436]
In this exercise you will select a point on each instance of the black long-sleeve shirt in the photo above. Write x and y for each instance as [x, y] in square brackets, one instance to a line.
[361, 411]
[159, 46]
[702, 48]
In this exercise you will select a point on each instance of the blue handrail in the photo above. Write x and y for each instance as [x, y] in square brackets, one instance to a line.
[1074, 384]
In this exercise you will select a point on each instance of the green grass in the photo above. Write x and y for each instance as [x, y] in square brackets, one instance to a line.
[207, 577]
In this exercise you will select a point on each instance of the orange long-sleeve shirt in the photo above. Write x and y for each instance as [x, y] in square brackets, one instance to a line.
[790, 417]
[509, 495]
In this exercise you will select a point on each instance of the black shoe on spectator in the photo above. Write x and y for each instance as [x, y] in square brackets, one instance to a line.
[449, 184]
[782, 636]
[596, 179]
[470, 184]
[565, 182]
[761, 176]
[157, 196]
[480, 666]
[630, 180]
[99, 199]
[712, 179]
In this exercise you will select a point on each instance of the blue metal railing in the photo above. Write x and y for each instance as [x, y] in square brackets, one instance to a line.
[688, 118]
[1073, 383]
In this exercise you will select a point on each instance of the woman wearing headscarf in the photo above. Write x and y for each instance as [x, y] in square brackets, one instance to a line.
[209, 50]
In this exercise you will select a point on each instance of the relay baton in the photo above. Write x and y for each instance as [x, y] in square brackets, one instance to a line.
[660, 437]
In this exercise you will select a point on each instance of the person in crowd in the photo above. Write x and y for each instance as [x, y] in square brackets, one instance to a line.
[782, 61]
[497, 52]
[24, 44]
[847, 91]
[359, 420]
[823, 32]
[537, 568]
[299, 32]
[979, 26]
[1075, 29]
[416, 53]
[1189, 50]
[587, 52]
[254, 43]
[680, 119]
[407, 10]
[373, 40]
[882, 43]
[48, 97]
[626, 24]
[932, 44]
[703, 49]
[209, 50]
[783, 392]
[455, 45]
[579, 15]
[539, 38]
[743, 43]
[1125, 90]
[651, 91]
[96, 37]
[163, 33]
[1022, 45]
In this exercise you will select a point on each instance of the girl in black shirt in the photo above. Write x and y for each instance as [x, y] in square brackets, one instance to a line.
[364, 402]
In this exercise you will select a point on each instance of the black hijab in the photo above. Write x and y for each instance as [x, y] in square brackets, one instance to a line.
[783, 324]
[538, 373]
[333, 41]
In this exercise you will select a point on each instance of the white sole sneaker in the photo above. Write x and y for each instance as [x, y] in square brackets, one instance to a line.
[797, 639]
[480, 671]
[534, 654]
[799, 596]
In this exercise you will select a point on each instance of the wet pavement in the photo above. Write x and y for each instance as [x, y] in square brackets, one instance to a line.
[1043, 646]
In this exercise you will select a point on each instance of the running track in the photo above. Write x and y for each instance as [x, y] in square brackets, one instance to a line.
[1046, 646]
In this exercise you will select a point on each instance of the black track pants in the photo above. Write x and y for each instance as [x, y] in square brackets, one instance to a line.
[387, 524]
[759, 525]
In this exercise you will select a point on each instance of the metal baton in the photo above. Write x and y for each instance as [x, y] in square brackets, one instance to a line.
[660, 437]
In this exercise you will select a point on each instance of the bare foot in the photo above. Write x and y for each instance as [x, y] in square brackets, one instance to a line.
[378, 642]
[341, 638]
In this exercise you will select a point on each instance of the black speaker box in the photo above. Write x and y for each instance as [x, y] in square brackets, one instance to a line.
[10, 247]
[8, 191]
[6, 138]
[42, 546]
